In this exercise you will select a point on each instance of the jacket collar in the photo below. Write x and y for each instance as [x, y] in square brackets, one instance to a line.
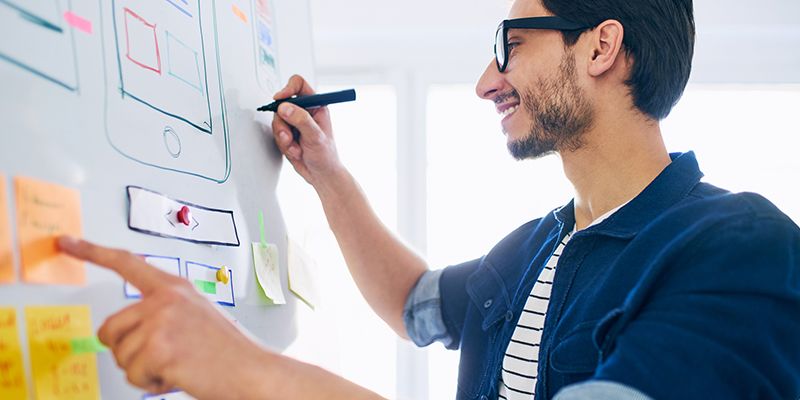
[669, 187]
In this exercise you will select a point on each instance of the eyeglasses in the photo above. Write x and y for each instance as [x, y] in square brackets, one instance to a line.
[550, 22]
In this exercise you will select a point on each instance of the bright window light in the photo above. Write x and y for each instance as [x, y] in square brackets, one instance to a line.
[343, 334]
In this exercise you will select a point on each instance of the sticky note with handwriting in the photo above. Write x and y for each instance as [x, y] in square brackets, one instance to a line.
[6, 262]
[58, 370]
[12, 372]
[45, 211]
[265, 261]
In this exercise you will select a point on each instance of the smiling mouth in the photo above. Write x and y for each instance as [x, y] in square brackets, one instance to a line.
[508, 111]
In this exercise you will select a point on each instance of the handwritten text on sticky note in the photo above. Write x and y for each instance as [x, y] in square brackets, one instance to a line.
[12, 373]
[265, 261]
[60, 372]
[45, 211]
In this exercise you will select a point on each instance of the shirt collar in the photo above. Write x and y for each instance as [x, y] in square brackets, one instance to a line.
[671, 185]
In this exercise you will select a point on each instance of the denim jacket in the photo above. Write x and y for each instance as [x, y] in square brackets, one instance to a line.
[687, 292]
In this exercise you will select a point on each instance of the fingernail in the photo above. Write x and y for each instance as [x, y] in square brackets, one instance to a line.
[66, 242]
[283, 136]
[285, 110]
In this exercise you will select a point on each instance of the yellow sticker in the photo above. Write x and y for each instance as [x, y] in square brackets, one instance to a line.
[58, 371]
[12, 372]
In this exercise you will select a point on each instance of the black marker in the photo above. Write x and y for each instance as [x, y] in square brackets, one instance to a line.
[313, 101]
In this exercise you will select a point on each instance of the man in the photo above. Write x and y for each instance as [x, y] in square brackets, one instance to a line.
[648, 284]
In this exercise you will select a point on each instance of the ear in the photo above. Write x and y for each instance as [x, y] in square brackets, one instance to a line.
[605, 46]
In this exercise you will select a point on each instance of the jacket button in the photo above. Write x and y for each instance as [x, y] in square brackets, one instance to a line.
[487, 304]
[509, 316]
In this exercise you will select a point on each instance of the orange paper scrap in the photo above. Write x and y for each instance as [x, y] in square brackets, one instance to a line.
[6, 263]
[45, 211]
[239, 13]
[58, 371]
[12, 372]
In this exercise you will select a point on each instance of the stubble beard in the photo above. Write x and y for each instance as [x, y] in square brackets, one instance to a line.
[560, 115]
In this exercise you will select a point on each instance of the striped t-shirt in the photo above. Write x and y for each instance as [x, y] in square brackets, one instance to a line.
[521, 361]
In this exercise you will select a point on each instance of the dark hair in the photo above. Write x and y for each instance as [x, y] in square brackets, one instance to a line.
[659, 37]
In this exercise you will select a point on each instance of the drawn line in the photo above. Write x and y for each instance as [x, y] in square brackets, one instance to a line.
[186, 203]
[181, 9]
[220, 83]
[196, 63]
[36, 72]
[157, 68]
[31, 17]
[176, 116]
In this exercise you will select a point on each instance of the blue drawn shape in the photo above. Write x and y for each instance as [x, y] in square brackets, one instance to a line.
[55, 29]
[181, 8]
[232, 303]
[183, 63]
[264, 34]
[148, 257]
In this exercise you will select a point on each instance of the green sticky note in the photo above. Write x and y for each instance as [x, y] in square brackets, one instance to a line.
[206, 286]
[87, 345]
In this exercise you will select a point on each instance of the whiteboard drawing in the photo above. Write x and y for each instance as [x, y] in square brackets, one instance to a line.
[264, 44]
[165, 104]
[35, 38]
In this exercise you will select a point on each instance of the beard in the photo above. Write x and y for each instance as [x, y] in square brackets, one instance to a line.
[560, 114]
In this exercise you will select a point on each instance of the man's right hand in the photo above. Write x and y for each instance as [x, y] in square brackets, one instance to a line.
[314, 154]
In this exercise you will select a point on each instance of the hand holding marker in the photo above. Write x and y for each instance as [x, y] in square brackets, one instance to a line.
[312, 101]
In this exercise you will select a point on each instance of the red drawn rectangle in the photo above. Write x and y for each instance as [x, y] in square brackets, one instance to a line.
[153, 65]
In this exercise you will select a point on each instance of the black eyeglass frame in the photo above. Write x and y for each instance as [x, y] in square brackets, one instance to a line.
[547, 22]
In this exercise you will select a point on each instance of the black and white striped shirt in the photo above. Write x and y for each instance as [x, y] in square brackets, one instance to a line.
[521, 362]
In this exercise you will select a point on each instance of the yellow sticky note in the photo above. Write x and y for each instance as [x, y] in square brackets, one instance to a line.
[12, 372]
[45, 211]
[6, 263]
[58, 371]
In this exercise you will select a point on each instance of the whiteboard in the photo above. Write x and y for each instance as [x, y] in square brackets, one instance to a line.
[103, 95]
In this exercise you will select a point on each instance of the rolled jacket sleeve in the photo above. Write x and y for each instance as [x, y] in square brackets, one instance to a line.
[422, 313]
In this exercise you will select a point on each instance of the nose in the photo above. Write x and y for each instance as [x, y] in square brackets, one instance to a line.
[491, 83]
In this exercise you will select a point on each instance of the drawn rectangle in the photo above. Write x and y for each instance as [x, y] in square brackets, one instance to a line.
[140, 33]
[182, 62]
[170, 265]
[155, 214]
[223, 293]
[142, 42]
[34, 38]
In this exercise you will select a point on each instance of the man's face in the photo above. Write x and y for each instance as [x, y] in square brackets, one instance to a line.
[543, 107]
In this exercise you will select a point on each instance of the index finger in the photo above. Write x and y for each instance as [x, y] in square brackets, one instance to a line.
[297, 85]
[131, 268]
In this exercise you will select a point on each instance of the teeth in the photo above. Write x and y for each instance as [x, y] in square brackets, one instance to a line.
[509, 111]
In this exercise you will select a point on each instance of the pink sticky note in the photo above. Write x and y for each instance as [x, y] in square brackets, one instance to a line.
[78, 22]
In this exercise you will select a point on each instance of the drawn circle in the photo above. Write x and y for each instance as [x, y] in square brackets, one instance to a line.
[172, 142]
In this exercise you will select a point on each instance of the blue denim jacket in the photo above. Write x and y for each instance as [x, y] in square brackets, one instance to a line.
[687, 292]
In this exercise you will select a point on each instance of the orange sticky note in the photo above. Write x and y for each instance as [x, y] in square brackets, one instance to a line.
[45, 211]
[12, 372]
[239, 13]
[58, 371]
[6, 263]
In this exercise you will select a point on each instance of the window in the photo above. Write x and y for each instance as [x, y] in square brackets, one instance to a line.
[343, 334]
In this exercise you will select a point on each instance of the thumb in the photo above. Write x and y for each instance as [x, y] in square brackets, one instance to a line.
[302, 120]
